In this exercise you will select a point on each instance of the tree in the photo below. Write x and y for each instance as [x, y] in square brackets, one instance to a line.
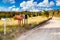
[46, 13]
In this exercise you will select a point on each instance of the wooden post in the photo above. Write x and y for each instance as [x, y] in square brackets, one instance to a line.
[19, 22]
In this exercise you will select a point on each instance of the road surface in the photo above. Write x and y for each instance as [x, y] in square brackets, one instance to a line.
[48, 31]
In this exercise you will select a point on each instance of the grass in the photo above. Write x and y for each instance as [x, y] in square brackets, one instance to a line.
[37, 19]
[12, 25]
[30, 20]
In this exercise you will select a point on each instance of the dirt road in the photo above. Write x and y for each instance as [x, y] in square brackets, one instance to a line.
[47, 31]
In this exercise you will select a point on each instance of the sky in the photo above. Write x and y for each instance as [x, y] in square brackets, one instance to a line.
[29, 5]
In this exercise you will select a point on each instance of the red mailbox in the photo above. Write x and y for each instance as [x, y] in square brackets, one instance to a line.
[18, 17]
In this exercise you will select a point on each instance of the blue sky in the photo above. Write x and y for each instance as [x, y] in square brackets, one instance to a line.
[29, 5]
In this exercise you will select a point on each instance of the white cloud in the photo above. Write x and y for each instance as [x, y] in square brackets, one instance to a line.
[30, 5]
[58, 2]
[3, 9]
[14, 9]
[9, 1]
[11, 8]
[34, 10]
[27, 5]
[51, 3]
[37, 10]
[44, 3]
[48, 9]
[23, 4]
[12, 1]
